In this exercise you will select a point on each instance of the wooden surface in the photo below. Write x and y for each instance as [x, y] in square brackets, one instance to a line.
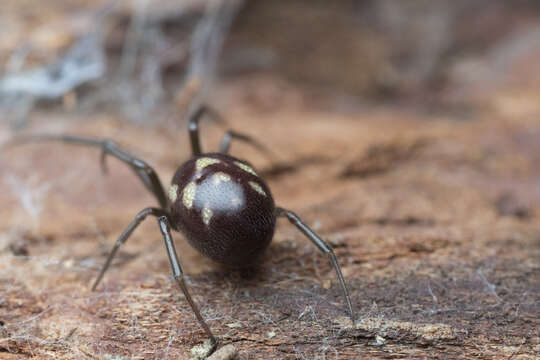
[434, 220]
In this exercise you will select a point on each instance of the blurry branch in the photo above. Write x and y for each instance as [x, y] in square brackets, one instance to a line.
[133, 39]
[136, 85]
[207, 42]
[132, 83]
[82, 63]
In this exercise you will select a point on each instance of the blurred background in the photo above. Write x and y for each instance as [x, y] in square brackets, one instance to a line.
[406, 133]
[134, 57]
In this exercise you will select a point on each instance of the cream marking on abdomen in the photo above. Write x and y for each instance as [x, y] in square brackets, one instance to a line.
[189, 194]
[207, 214]
[173, 192]
[257, 188]
[204, 162]
[219, 177]
[245, 167]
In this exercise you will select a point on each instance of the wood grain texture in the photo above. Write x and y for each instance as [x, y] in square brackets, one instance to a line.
[434, 221]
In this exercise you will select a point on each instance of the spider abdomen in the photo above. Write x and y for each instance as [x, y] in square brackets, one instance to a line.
[224, 209]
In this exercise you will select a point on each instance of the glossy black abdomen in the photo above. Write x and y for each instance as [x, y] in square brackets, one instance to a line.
[224, 209]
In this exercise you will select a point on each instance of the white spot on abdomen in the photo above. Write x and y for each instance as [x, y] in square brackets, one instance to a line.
[219, 177]
[257, 188]
[173, 192]
[207, 214]
[245, 167]
[189, 194]
[204, 162]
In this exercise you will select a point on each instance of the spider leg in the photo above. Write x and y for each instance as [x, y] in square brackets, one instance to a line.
[225, 145]
[193, 126]
[231, 134]
[144, 171]
[179, 275]
[171, 252]
[323, 247]
[123, 238]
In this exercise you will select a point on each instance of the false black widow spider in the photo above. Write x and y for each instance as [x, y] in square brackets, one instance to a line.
[218, 202]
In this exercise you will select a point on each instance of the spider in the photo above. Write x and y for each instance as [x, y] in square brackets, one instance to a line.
[218, 202]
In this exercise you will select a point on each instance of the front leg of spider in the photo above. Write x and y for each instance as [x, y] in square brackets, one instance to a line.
[178, 275]
[124, 237]
[323, 247]
[173, 258]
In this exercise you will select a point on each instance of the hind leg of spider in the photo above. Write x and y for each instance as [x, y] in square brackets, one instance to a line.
[179, 276]
[123, 238]
[323, 247]
[144, 171]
